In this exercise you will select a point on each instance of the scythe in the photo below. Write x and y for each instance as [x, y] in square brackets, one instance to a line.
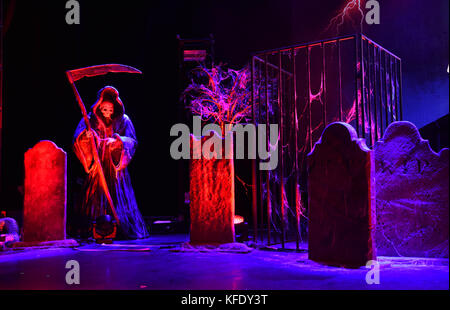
[77, 74]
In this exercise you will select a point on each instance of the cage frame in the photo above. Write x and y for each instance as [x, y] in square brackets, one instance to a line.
[393, 101]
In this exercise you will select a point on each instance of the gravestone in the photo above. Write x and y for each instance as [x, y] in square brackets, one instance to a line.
[412, 194]
[212, 199]
[45, 193]
[341, 198]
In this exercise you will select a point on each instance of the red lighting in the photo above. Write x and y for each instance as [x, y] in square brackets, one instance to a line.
[194, 55]
[238, 219]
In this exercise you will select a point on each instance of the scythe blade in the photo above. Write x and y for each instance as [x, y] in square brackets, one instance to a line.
[78, 74]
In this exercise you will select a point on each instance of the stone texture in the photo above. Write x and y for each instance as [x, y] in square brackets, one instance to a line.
[212, 200]
[341, 198]
[412, 194]
[45, 193]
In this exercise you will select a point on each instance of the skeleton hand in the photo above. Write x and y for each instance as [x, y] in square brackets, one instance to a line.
[90, 133]
[112, 142]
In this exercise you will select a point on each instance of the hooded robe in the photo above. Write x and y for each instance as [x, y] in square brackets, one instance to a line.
[114, 159]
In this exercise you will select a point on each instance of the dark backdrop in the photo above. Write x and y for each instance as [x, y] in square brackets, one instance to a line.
[40, 47]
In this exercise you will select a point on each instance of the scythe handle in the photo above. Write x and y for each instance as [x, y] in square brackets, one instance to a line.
[103, 183]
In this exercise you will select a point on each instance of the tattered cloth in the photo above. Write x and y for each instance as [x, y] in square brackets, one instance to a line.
[114, 163]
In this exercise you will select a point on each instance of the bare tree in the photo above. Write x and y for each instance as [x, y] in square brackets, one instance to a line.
[221, 95]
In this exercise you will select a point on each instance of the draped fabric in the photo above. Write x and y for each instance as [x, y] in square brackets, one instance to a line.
[114, 159]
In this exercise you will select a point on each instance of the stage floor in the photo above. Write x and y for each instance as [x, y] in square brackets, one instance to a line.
[157, 263]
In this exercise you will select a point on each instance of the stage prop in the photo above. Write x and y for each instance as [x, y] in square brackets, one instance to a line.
[116, 144]
[303, 88]
[212, 198]
[104, 230]
[9, 232]
[412, 194]
[221, 96]
[45, 198]
[77, 74]
[105, 142]
[341, 194]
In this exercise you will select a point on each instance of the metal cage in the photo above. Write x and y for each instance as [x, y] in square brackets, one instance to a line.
[302, 88]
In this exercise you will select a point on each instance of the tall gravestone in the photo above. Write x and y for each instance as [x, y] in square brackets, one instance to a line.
[212, 199]
[412, 194]
[45, 193]
[341, 198]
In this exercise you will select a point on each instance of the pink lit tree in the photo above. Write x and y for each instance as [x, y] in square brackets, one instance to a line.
[220, 95]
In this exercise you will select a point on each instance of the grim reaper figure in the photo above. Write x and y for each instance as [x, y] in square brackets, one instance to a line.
[116, 143]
